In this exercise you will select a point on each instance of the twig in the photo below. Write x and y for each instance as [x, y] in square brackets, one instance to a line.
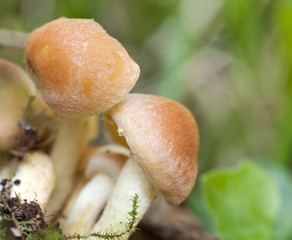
[10, 38]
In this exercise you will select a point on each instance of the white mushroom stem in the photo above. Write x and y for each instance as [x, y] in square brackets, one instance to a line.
[71, 140]
[103, 165]
[89, 204]
[132, 180]
[37, 179]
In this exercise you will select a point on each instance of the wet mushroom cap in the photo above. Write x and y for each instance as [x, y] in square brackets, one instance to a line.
[80, 69]
[163, 137]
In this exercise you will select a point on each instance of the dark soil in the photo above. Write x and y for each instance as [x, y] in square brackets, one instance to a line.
[14, 212]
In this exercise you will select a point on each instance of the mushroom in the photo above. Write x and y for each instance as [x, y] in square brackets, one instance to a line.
[15, 89]
[13, 72]
[36, 178]
[103, 166]
[163, 138]
[81, 71]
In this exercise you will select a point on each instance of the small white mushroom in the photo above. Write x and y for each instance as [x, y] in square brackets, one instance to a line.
[104, 165]
[36, 179]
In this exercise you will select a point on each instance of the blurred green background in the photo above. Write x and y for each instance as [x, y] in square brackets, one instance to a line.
[229, 61]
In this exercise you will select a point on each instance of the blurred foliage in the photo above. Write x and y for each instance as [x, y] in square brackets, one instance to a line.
[244, 201]
[229, 61]
[283, 179]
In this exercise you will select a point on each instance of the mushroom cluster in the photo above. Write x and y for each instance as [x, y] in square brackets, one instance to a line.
[49, 125]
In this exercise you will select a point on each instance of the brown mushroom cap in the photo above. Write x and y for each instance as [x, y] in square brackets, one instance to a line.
[163, 137]
[80, 69]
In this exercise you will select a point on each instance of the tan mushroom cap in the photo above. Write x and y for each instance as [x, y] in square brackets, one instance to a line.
[163, 137]
[13, 72]
[15, 89]
[78, 66]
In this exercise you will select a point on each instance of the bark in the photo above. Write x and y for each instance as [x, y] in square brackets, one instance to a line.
[15, 39]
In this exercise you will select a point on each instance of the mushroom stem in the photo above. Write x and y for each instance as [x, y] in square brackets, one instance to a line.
[89, 204]
[132, 180]
[37, 179]
[71, 140]
[99, 168]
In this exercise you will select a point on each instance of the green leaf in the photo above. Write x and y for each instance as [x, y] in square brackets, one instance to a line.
[197, 205]
[283, 178]
[244, 202]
